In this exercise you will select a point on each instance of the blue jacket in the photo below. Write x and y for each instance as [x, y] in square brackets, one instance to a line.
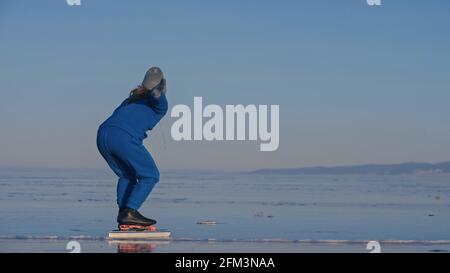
[140, 116]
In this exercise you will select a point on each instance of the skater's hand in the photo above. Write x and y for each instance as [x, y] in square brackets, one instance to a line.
[161, 88]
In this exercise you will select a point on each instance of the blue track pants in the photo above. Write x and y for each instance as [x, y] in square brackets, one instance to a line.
[131, 162]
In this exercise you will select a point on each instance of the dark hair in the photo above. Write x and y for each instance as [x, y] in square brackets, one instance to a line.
[140, 92]
[137, 93]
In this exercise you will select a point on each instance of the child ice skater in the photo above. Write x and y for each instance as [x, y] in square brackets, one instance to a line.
[120, 142]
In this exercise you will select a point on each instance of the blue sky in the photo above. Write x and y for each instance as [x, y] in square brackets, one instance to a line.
[355, 84]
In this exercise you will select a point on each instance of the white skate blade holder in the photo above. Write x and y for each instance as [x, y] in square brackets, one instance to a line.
[158, 234]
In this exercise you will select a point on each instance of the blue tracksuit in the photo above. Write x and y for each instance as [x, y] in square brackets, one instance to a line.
[120, 142]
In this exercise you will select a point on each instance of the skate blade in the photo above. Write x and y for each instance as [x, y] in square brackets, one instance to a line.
[136, 228]
[134, 235]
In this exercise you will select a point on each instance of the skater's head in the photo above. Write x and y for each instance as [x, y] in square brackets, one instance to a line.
[152, 78]
[153, 83]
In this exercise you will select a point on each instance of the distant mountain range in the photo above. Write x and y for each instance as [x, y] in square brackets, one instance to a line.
[374, 169]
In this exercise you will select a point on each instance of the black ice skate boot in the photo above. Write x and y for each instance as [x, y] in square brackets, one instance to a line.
[131, 219]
